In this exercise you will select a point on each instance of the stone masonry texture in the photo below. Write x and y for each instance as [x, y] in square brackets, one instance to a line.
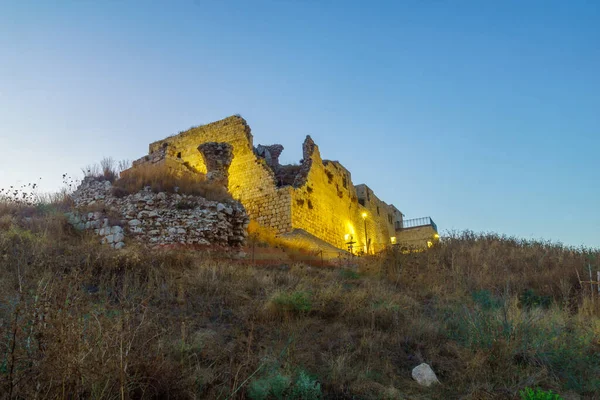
[157, 219]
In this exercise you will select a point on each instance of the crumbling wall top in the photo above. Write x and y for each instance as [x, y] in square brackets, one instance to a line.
[308, 150]
[270, 154]
[227, 126]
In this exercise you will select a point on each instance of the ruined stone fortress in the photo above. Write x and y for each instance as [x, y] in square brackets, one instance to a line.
[314, 202]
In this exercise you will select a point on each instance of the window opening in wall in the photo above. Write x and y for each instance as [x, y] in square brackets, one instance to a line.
[179, 155]
[377, 210]
[361, 202]
[368, 196]
[345, 182]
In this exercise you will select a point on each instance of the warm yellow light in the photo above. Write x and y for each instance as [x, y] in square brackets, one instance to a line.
[436, 236]
[347, 237]
[364, 215]
[393, 239]
[429, 243]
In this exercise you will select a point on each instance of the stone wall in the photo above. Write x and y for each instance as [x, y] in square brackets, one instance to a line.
[416, 237]
[381, 217]
[251, 179]
[99, 222]
[157, 218]
[317, 196]
[326, 205]
[164, 156]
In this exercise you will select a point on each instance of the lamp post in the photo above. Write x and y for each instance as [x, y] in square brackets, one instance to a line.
[364, 215]
[349, 242]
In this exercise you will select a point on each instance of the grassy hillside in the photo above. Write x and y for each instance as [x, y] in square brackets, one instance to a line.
[491, 315]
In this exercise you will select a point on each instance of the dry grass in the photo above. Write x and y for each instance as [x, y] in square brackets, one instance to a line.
[265, 237]
[107, 169]
[163, 179]
[492, 316]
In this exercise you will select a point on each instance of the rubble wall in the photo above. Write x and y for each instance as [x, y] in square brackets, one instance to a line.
[157, 218]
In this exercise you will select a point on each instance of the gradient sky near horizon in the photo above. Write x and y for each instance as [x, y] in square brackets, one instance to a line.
[484, 115]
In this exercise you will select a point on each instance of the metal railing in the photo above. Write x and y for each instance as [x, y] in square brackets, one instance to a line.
[416, 222]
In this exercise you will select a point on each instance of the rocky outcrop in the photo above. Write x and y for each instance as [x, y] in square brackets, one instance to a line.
[157, 218]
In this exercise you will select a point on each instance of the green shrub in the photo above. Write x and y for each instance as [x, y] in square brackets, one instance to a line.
[485, 300]
[272, 386]
[477, 328]
[530, 299]
[538, 394]
[279, 385]
[306, 388]
[259, 389]
[296, 301]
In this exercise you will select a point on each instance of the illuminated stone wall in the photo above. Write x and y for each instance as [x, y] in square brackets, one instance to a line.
[416, 237]
[251, 181]
[381, 214]
[317, 196]
[327, 206]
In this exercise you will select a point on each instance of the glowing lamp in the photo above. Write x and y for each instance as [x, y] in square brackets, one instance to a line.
[364, 215]
[393, 239]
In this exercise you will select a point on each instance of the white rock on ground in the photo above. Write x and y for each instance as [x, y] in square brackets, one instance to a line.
[424, 375]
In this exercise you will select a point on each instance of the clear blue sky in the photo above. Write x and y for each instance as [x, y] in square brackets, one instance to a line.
[484, 115]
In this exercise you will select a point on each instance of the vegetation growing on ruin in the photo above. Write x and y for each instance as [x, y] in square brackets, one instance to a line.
[155, 177]
[492, 315]
[107, 169]
[160, 178]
